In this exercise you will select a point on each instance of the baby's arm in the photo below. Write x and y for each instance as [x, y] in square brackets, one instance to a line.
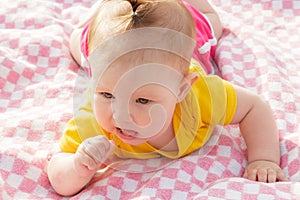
[204, 7]
[69, 173]
[261, 136]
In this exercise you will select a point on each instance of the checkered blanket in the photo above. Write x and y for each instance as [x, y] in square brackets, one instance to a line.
[260, 50]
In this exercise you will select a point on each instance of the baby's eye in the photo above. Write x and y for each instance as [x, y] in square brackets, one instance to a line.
[142, 101]
[107, 95]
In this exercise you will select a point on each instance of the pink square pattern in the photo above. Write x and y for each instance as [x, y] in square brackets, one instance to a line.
[259, 50]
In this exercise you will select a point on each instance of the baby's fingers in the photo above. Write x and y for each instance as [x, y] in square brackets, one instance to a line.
[99, 148]
[272, 176]
[84, 164]
[281, 176]
[265, 175]
[251, 174]
[262, 175]
[88, 161]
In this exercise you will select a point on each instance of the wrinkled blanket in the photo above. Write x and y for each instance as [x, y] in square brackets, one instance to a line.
[40, 85]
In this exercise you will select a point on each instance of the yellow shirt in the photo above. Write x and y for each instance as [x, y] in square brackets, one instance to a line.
[211, 101]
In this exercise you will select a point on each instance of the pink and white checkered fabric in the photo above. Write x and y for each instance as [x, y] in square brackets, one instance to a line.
[260, 50]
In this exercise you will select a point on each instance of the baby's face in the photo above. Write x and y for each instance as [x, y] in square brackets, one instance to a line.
[137, 102]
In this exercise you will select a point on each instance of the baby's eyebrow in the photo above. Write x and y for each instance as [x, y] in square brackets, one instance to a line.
[153, 95]
[101, 88]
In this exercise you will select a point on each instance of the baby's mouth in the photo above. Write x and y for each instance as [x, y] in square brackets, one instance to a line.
[126, 134]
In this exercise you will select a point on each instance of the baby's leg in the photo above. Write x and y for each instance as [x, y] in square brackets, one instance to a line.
[75, 45]
[216, 24]
[204, 7]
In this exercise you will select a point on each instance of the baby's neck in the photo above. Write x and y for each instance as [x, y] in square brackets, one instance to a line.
[165, 141]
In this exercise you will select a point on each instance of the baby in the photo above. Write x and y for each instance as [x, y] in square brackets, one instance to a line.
[149, 95]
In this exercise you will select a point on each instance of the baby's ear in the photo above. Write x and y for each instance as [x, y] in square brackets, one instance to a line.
[186, 85]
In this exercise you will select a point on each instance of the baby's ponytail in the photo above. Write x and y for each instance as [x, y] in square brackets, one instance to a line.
[117, 16]
[140, 9]
[135, 14]
[135, 4]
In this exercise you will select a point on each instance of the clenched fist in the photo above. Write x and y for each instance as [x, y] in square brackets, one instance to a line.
[91, 153]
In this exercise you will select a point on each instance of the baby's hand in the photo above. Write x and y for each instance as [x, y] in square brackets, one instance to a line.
[264, 171]
[91, 153]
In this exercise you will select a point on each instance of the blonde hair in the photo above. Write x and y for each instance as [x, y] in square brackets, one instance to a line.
[117, 16]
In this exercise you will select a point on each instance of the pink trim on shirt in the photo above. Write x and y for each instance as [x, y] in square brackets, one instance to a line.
[205, 39]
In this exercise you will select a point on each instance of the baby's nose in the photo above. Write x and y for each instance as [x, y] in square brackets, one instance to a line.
[121, 114]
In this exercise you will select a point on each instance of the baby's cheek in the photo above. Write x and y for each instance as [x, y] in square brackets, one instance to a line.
[103, 115]
[141, 118]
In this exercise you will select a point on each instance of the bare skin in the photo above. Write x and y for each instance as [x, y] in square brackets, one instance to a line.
[256, 123]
